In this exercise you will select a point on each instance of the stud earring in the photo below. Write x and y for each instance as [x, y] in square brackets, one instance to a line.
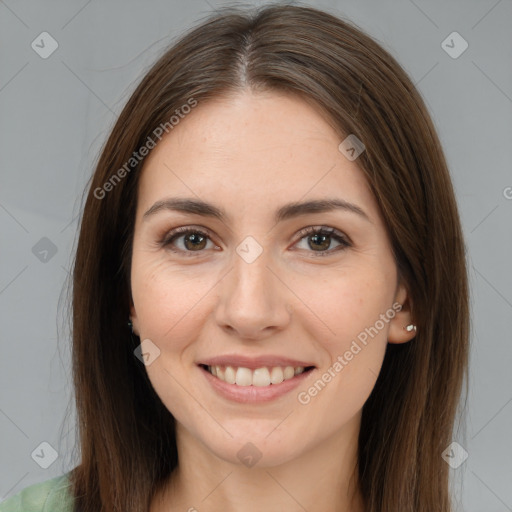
[130, 325]
[410, 327]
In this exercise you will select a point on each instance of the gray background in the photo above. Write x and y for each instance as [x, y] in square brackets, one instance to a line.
[56, 113]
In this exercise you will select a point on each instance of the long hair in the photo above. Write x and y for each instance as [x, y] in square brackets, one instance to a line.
[126, 435]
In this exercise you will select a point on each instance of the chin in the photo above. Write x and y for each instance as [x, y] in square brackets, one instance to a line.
[251, 448]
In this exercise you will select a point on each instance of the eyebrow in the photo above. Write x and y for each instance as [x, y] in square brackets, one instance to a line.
[288, 211]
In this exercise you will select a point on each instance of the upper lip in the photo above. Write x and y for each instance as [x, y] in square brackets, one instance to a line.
[253, 362]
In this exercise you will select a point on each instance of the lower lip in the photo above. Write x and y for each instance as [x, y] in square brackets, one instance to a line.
[251, 394]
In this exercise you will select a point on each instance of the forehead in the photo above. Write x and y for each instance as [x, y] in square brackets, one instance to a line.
[252, 148]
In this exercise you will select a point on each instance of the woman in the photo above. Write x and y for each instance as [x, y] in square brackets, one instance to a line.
[273, 216]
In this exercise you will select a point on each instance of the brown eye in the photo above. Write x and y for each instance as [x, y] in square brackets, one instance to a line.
[194, 241]
[186, 240]
[321, 238]
[320, 242]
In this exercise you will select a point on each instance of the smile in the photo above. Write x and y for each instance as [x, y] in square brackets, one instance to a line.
[260, 377]
[262, 384]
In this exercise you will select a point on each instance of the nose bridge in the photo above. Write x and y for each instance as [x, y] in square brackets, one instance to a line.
[252, 280]
[251, 274]
[252, 298]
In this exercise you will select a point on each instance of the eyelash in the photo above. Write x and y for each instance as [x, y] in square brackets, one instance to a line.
[303, 233]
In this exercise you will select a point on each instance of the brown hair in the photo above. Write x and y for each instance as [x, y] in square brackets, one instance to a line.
[126, 434]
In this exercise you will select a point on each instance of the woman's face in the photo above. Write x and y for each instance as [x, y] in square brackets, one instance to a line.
[250, 291]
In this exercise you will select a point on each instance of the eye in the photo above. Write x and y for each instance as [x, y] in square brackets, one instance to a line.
[193, 240]
[321, 238]
[189, 240]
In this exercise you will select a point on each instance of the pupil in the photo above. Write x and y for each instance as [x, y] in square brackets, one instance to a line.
[196, 240]
[324, 237]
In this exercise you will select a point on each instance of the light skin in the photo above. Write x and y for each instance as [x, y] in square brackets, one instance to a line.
[249, 154]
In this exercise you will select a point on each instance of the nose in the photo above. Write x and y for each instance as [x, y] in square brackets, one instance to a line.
[254, 301]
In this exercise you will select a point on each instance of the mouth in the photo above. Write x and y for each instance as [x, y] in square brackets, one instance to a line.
[259, 377]
[252, 385]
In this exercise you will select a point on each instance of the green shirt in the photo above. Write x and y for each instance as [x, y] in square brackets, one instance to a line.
[49, 496]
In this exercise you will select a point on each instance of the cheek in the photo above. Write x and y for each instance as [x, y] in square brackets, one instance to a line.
[347, 302]
[169, 310]
[351, 326]
[167, 302]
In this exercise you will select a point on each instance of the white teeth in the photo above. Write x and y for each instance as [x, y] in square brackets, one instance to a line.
[230, 375]
[243, 377]
[289, 372]
[259, 377]
[276, 375]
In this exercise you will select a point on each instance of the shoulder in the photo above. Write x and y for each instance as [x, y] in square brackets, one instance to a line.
[52, 495]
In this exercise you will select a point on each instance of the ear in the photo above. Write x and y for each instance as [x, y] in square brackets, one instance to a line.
[134, 320]
[397, 329]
